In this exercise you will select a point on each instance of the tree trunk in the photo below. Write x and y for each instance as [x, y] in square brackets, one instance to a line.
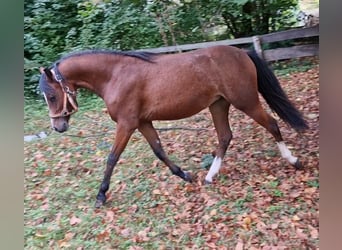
[161, 29]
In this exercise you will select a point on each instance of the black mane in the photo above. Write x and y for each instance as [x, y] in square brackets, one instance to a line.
[145, 56]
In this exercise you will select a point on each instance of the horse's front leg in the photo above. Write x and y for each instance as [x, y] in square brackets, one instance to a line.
[152, 137]
[123, 133]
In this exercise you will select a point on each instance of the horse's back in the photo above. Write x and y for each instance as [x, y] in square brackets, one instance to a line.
[180, 85]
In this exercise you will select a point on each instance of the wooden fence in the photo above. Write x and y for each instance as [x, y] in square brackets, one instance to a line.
[258, 41]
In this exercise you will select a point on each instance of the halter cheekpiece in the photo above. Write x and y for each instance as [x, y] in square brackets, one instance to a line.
[68, 94]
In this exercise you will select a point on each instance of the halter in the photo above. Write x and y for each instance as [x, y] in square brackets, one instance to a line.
[68, 94]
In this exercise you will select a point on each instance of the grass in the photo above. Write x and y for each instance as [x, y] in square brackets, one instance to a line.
[287, 67]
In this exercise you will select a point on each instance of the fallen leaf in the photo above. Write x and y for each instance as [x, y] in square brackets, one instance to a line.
[314, 233]
[213, 212]
[300, 234]
[104, 235]
[239, 245]
[156, 192]
[295, 218]
[135, 248]
[211, 245]
[125, 232]
[310, 190]
[47, 172]
[312, 116]
[295, 194]
[74, 221]
[110, 216]
[68, 236]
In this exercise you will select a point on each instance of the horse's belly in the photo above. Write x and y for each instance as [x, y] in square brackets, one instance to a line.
[173, 109]
[174, 113]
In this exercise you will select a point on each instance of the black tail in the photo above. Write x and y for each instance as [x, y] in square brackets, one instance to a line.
[270, 89]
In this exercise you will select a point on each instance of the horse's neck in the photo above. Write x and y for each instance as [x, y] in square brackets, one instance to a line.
[87, 72]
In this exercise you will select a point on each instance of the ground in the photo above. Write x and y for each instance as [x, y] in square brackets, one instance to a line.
[258, 201]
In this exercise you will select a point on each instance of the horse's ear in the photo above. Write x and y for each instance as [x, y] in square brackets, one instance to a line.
[47, 72]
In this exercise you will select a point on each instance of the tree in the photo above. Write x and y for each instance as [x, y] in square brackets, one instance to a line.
[46, 23]
[244, 18]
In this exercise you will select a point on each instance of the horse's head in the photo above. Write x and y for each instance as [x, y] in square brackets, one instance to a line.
[61, 100]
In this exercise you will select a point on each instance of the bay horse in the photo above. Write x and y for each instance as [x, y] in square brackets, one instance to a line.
[140, 87]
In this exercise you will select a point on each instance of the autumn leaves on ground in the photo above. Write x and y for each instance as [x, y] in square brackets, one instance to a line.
[258, 201]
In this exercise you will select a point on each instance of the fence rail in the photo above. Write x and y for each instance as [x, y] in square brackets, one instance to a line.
[258, 41]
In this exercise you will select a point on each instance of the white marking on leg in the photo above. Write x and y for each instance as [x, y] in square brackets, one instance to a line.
[286, 153]
[214, 169]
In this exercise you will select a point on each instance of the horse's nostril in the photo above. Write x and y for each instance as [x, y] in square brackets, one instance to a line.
[65, 126]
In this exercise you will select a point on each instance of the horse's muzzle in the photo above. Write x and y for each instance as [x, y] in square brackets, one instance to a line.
[61, 128]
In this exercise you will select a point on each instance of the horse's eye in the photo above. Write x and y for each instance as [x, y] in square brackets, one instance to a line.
[52, 98]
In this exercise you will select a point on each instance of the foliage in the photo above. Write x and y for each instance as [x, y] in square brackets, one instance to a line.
[53, 29]
[244, 18]
[112, 25]
[286, 67]
[46, 23]
[206, 161]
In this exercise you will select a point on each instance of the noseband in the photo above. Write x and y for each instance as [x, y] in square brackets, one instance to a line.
[68, 95]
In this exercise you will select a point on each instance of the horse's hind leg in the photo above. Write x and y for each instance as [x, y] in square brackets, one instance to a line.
[268, 122]
[152, 137]
[219, 111]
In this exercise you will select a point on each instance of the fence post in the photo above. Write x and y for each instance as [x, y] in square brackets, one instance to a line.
[257, 46]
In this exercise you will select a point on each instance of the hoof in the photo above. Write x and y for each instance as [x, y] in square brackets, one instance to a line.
[187, 177]
[207, 182]
[298, 165]
[99, 203]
